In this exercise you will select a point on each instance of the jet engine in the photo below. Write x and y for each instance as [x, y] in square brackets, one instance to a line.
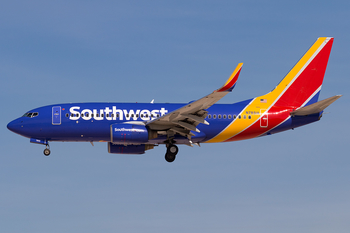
[129, 134]
[129, 149]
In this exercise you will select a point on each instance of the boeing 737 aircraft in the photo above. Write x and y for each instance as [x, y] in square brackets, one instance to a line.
[133, 128]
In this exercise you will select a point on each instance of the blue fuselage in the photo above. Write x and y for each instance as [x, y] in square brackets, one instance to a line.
[92, 121]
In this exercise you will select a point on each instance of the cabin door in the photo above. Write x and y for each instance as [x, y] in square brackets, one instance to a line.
[56, 115]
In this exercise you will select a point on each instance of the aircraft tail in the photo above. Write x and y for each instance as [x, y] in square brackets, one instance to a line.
[302, 85]
[315, 107]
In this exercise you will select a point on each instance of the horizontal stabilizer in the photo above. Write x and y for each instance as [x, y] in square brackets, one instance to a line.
[316, 107]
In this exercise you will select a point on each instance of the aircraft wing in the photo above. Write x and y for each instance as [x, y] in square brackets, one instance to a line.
[185, 119]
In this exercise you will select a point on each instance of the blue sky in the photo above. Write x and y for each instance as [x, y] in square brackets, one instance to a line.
[131, 51]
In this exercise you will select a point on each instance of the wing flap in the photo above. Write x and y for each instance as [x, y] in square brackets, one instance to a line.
[187, 126]
[196, 118]
[181, 131]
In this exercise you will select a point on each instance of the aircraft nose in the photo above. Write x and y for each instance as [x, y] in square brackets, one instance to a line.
[14, 126]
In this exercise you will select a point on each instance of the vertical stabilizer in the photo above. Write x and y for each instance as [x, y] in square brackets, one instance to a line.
[301, 86]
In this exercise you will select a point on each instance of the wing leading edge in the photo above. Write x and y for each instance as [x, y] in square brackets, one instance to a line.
[185, 119]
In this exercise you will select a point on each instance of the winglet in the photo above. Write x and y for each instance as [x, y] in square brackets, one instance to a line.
[231, 82]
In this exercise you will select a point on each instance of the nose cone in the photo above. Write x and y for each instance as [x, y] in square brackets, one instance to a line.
[15, 126]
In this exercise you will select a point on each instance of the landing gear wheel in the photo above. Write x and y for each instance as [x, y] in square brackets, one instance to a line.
[170, 157]
[171, 153]
[47, 152]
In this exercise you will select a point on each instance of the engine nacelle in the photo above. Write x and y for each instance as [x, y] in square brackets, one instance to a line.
[129, 134]
[129, 149]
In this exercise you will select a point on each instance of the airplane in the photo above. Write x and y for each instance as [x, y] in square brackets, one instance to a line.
[133, 128]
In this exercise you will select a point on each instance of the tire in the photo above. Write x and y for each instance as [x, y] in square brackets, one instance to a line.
[172, 149]
[171, 153]
[47, 152]
[170, 157]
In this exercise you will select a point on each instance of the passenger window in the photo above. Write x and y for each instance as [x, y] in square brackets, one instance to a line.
[214, 116]
[67, 115]
[224, 116]
[249, 117]
[234, 116]
[209, 116]
[229, 116]
[239, 117]
[219, 116]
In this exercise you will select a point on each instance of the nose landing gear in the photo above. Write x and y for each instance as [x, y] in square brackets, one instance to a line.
[47, 150]
[42, 142]
[171, 153]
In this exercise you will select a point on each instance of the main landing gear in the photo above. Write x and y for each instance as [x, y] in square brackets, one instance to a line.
[47, 150]
[171, 152]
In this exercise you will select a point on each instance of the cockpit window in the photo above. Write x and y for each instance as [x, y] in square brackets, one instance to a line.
[31, 114]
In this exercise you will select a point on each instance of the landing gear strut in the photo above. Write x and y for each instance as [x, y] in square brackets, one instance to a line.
[171, 152]
[47, 150]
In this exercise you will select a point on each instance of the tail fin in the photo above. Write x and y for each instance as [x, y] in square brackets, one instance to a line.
[301, 86]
